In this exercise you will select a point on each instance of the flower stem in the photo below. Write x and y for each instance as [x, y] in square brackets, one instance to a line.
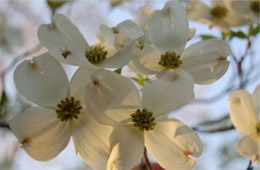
[146, 160]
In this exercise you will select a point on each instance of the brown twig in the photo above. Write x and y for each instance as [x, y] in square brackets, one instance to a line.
[250, 167]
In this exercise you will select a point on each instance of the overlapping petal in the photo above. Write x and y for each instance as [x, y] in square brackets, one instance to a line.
[242, 112]
[249, 146]
[42, 81]
[41, 133]
[171, 90]
[111, 97]
[256, 100]
[206, 60]
[176, 142]
[91, 140]
[168, 28]
[128, 148]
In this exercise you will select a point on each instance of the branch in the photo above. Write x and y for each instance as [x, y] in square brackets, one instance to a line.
[250, 167]
[5, 126]
[222, 129]
[146, 160]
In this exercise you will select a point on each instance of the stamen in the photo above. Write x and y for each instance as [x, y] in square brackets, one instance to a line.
[96, 54]
[255, 7]
[68, 109]
[143, 120]
[170, 60]
[219, 11]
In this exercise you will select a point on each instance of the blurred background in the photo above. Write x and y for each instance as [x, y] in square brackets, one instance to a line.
[208, 114]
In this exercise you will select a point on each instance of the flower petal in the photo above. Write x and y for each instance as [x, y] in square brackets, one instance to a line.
[198, 11]
[168, 92]
[242, 111]
[206, 60]
[125, 154]
[168, 28]
[42, 80]
[111, 97]
[146, 60]
[256, 100]
[42, 135]
[79, 82]
[142, 17]
[176, 142]
[91, 140]
[249, 146]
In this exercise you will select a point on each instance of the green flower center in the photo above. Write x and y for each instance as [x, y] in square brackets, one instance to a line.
[68, 109]
[219, 11]
[258, 128]
[170, 60]
[255, 7]
[96, 54]
[143, 120]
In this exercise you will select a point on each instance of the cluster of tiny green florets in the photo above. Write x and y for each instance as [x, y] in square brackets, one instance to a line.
[96, 54]
[170, 60]
[68, 109]
[143, 120]
[219, 11]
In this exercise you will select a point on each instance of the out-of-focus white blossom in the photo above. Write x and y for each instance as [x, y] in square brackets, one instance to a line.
[206, 61]
[65, 42]
[219, 14]
[140, 123]
[245, 115]
[45, 130]
[249, 9]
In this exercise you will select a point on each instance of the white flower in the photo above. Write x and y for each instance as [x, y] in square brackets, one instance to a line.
[140, 123]
[219, 14]
[245, 115]
[45, 130]
[206, 61]
[249, 9]
[65, 42]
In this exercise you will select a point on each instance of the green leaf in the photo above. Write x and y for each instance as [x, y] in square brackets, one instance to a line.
[206, 37]
[118, 71]
[55, 4]
[254, 31]
[238, 34]
[4, 99]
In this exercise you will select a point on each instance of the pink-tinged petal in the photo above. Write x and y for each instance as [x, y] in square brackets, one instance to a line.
[206, 60]
[168, 28]
[173, 89]
[242, 111]
[91, 140]
[42, 80]
[127, 144]
[111, 97]
[177, 143]
[42, 135]
[249, 146]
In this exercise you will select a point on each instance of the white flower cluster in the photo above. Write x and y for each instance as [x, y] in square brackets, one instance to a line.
[110, 123]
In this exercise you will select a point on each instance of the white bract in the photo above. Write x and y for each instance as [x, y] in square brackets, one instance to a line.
[140, 123]
[45, 130]
[249, 9]
[219, 14]
[206, 61]
[65, 42]
[245, 115]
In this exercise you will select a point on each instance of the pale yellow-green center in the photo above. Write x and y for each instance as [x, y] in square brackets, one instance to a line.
[170, 60]
[143, 120]
[68, 109]
[255, 7]
[96, 54]
[219, 11]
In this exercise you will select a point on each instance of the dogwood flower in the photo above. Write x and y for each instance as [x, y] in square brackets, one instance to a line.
[140, 123]
[245, 115]
[45, 130]
[219, 14]
[206, 61]
[249, 9]
[65, 42]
